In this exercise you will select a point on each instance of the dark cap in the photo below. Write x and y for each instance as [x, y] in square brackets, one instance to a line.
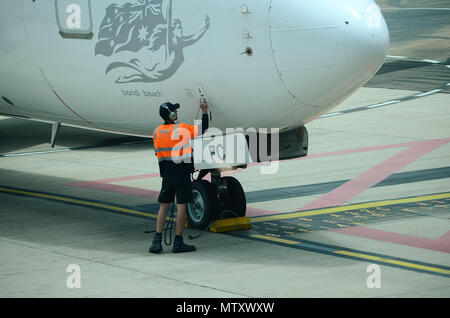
[166, 108]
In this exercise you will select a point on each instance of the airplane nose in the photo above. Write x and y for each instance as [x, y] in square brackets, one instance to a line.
[366, 38]
[325, 49]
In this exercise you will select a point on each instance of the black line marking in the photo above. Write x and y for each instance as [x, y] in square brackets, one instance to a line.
[320, 188]
[331, 250]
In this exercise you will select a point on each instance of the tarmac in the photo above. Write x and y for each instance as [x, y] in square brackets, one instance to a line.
[365, 214]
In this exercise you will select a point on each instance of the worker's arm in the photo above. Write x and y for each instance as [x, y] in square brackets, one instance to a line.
[205, 118]
[155, 143]
[205, 123]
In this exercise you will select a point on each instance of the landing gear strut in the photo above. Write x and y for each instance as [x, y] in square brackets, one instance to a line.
[223, 197]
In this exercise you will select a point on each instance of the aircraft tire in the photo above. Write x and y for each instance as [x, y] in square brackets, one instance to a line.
[237, 202]
[205, 207]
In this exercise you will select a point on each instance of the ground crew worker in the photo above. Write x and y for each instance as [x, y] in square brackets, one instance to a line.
[172, 147]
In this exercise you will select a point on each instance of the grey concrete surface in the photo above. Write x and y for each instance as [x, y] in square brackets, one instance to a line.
[418, 29]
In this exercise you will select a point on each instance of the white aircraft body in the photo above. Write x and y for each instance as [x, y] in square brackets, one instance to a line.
[109, 65]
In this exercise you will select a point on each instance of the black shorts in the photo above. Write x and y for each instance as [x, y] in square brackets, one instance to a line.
[176, 185]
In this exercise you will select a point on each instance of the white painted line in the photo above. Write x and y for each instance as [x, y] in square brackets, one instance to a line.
[397, 57]
[428, 93]
[437, 9]
[384, 104]
[34, 153]
[431, 61]
[331, 114]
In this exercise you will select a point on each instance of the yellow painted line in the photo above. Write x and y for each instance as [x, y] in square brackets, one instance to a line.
[349, 207]
[395, 262]
[361, 256]
[80, 202]
[275, 239]
[365, 256]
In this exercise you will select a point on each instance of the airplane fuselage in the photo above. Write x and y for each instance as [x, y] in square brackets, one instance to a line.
[261, 63]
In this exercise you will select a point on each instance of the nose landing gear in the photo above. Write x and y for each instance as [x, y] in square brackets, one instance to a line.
[221, 198]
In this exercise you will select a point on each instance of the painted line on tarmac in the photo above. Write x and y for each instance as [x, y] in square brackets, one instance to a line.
[284, 241]
[345, 208]
[392, 102]
[102, 145]
[441, 244]
[338, 251]
[434, 91]
[369, 178]
[432, 9]
[77, 201]
[258, 219]
[431, 61]
[396, 56]
[331, 114]
[34, 153]
[304, 190]
[384, 104]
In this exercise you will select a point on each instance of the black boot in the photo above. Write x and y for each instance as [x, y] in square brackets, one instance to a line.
[180, 247]
[156, 244]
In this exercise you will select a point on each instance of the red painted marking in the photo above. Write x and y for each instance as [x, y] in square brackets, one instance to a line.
[338, 196]
[357, 150]
[140, 176]
[445, 238]
[103, 185]
[117, 189]
[442, 244]
[128, 178]
[371, 177]
[321, 155]
[258, 212]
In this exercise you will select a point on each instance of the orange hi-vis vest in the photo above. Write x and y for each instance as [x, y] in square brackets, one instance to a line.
[172, 142]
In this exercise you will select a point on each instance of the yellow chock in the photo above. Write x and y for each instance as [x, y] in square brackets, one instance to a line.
[231, 224]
